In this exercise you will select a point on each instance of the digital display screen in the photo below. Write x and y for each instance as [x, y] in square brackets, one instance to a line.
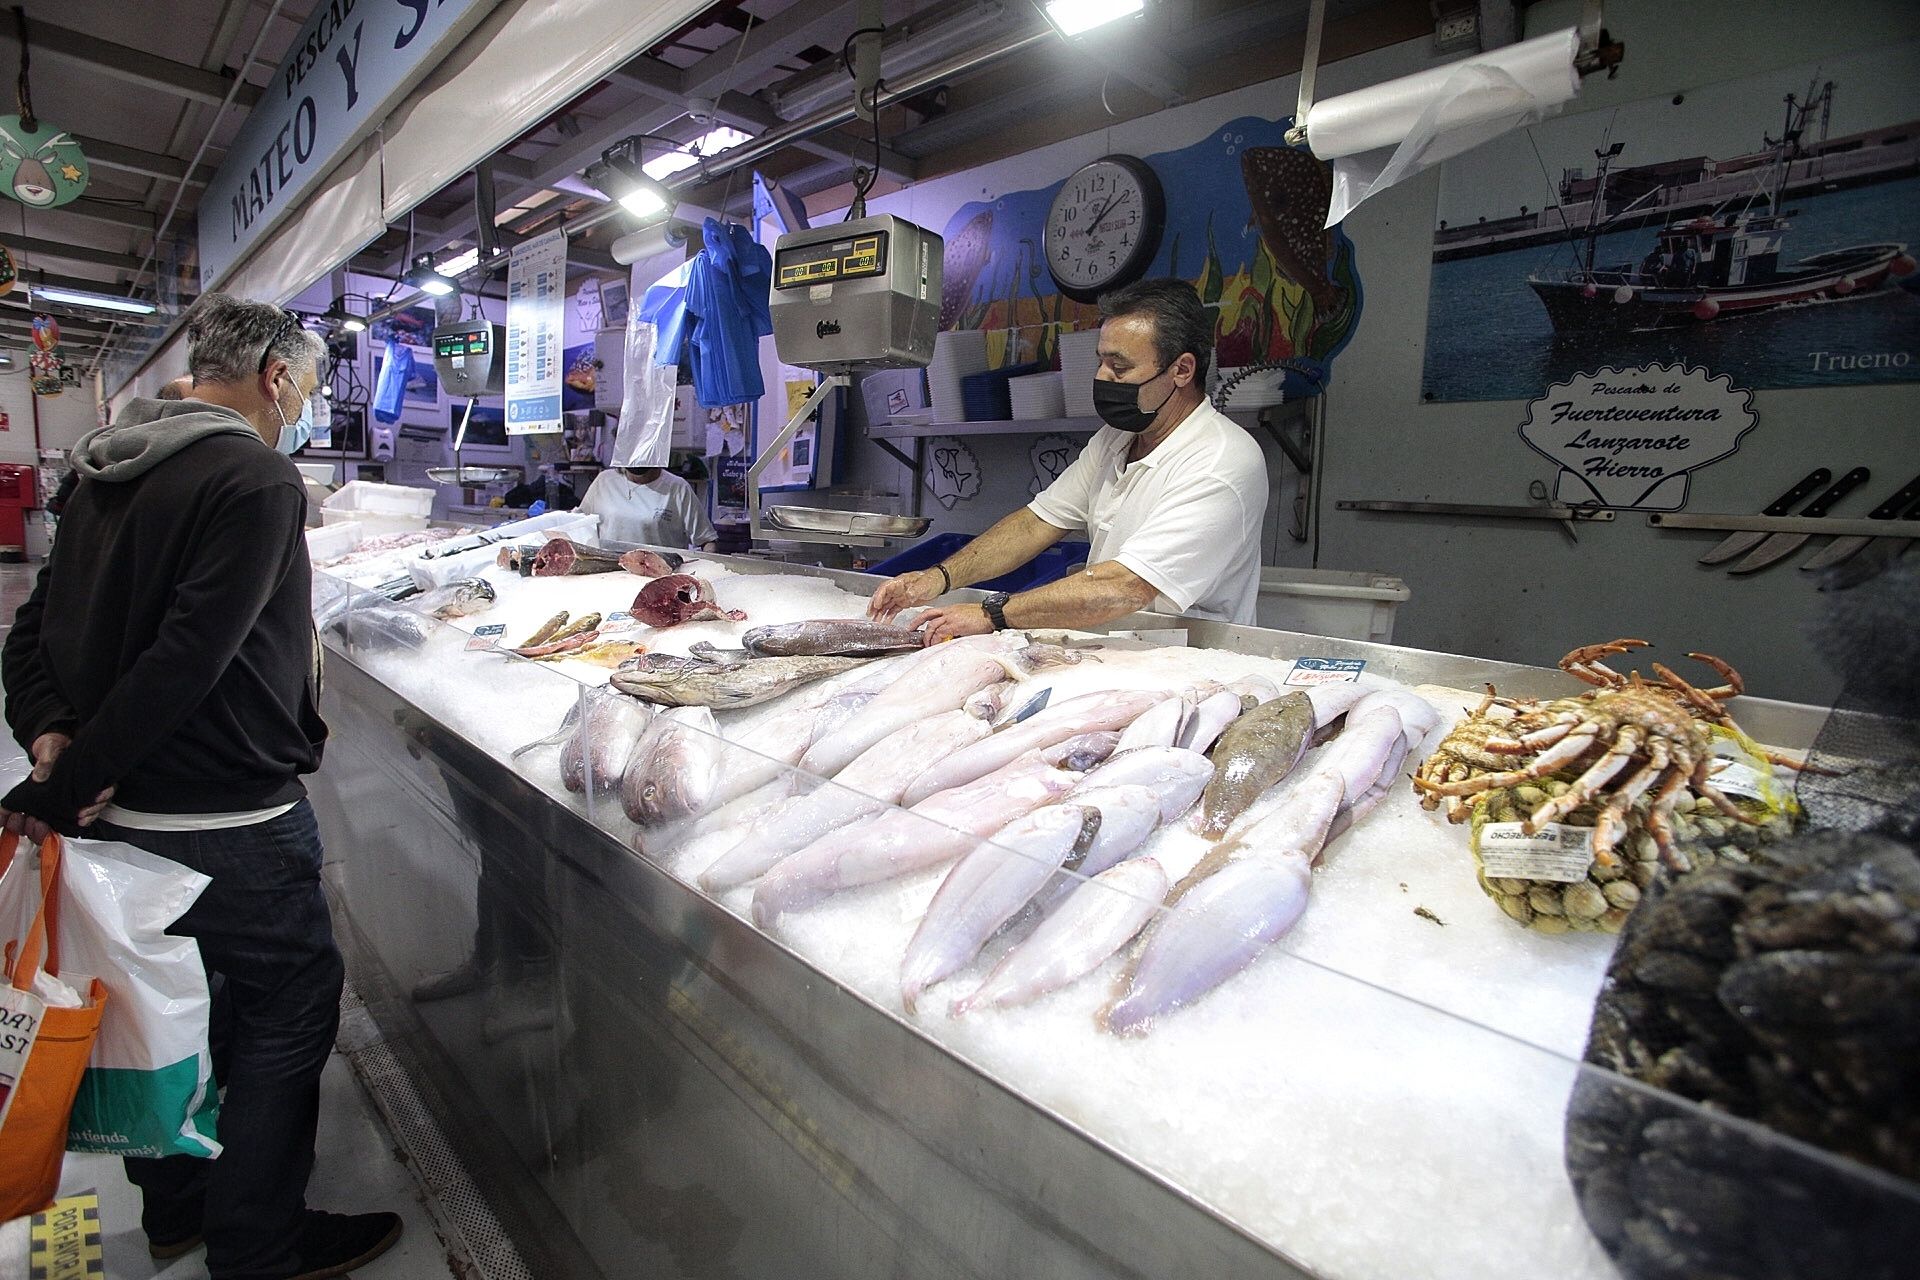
[831, 260]
[474, 342]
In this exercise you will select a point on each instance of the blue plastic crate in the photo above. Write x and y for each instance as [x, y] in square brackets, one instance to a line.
[1049, 566]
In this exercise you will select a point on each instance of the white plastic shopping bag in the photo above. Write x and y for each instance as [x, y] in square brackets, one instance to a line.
[651, 372]
[149, 1089]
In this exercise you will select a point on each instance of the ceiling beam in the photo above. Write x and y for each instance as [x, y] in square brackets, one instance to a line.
[105, 211]
[72, 252]
[135, 66]
[747, 58]
[102, 154]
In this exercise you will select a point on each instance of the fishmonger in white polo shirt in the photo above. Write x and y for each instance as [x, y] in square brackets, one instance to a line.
[1171, 495]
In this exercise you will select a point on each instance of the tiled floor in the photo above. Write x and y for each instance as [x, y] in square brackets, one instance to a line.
[357, 1171]
[358, 1168]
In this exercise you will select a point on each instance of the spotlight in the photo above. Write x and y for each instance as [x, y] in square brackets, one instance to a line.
[1075, 17]
[620, 175]
[426, 279]
[338, 316]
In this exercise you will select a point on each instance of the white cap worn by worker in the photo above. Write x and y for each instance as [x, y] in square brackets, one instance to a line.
[648, 505]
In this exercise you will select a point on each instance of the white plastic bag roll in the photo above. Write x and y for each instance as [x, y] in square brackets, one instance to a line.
[1434, 115]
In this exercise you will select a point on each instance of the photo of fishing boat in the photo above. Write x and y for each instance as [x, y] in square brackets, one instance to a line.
[1787, 263]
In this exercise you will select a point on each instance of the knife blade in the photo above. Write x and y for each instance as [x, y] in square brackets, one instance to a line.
[1841, 548]
[1781, 545]
[1736, 543]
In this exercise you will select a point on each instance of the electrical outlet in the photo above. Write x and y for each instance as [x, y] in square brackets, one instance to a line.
[1456, 31]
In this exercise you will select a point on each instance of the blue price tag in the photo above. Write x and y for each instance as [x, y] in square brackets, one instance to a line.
[486, 637]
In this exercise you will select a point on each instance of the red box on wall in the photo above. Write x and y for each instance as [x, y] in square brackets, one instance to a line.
[18, 493]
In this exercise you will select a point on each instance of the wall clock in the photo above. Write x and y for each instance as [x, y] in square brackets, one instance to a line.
[1104, 226]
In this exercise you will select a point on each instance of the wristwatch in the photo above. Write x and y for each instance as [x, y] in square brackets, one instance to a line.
[996, 606]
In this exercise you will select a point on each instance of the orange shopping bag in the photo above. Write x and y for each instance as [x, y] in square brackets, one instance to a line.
[34, 1133]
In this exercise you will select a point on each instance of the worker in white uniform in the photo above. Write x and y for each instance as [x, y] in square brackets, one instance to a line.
[1171, 494]
[647, 504]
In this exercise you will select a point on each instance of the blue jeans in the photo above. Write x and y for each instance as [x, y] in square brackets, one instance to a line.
[263, 927]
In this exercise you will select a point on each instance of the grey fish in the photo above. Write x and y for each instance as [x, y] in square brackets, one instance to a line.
[1256, 751]
[459, 599]
[693, 683]
[839, 637]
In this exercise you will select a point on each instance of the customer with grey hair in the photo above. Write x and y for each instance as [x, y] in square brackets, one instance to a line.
[162, 675]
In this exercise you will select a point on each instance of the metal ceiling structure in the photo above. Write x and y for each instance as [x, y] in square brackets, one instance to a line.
[141, 86]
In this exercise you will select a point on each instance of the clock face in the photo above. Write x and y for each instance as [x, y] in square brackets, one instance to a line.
[1104, 227]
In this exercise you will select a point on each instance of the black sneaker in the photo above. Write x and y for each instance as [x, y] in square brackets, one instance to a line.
[332, 1244]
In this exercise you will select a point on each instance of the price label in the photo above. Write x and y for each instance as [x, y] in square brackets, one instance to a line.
[487, 637]
[1555, 852]
[1311, 671]
[1738, 778]
[622, 616]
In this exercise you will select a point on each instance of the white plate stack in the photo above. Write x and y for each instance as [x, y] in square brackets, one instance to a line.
[1255, 391]
[1079, 360]
[1037, 396]
[956, 354]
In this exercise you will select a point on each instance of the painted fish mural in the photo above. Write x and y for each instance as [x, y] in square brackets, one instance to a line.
[1244, 221]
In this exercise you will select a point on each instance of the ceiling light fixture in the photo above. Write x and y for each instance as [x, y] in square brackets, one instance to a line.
[466, 260]
[622, 175]
[81, 298]
[1076, 17]
[342, 319]
[424, 277]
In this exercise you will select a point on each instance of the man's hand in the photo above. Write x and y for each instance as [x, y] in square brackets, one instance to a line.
[904, 592]
[952, 622]
[46, 749]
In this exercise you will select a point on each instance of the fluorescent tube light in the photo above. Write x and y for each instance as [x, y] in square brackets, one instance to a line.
[81, 298]
[1075, 17]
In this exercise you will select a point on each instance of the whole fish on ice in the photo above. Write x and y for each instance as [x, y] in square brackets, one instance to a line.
[988, 886]
[675, 681]
[459, 599]
[674, 768]
[603, 740]
[874, 780]
[840, 637]
[1210, 719]
[1096, 920]
[1088, 713]
[955, 671]
[938, 829]
[1256, 751]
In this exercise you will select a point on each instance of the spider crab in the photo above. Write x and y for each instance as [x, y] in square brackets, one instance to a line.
[1628, 737]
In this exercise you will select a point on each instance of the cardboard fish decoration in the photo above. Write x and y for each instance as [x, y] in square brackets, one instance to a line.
[42, 167]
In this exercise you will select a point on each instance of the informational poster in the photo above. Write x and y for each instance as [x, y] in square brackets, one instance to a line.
[1631, 438]
[536, 328]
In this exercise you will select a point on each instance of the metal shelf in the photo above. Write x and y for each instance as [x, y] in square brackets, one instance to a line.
[1009, 427]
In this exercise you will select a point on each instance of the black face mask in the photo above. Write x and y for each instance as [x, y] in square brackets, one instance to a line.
[1118, 404]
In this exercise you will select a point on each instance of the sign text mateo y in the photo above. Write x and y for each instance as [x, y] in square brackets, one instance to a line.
[349, 66]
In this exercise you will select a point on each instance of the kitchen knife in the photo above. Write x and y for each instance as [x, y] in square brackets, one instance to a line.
[1841, 548]
[1781, 545]
[1736, 543]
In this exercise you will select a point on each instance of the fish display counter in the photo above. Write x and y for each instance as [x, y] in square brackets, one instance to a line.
[1027, 955]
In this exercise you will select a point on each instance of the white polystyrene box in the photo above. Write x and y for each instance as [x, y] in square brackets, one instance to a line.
[1331, 602]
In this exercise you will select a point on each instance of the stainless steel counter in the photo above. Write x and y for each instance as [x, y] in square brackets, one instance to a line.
[645, 1084]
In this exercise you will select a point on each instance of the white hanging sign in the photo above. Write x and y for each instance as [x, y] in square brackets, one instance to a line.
[536, 332]
[1630, 438]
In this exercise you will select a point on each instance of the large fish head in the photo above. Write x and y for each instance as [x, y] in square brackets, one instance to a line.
[680, 768]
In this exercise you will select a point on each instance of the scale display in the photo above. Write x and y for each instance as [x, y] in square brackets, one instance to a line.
[854, 258]
[476, 342]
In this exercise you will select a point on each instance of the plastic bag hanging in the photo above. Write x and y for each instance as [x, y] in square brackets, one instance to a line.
[727, 297]
[390, 393]
[655, 336]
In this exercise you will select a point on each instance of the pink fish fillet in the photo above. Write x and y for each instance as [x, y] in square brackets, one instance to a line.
[938, 829]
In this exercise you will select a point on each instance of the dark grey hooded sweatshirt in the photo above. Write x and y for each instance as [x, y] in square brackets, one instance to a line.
[170, 633]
